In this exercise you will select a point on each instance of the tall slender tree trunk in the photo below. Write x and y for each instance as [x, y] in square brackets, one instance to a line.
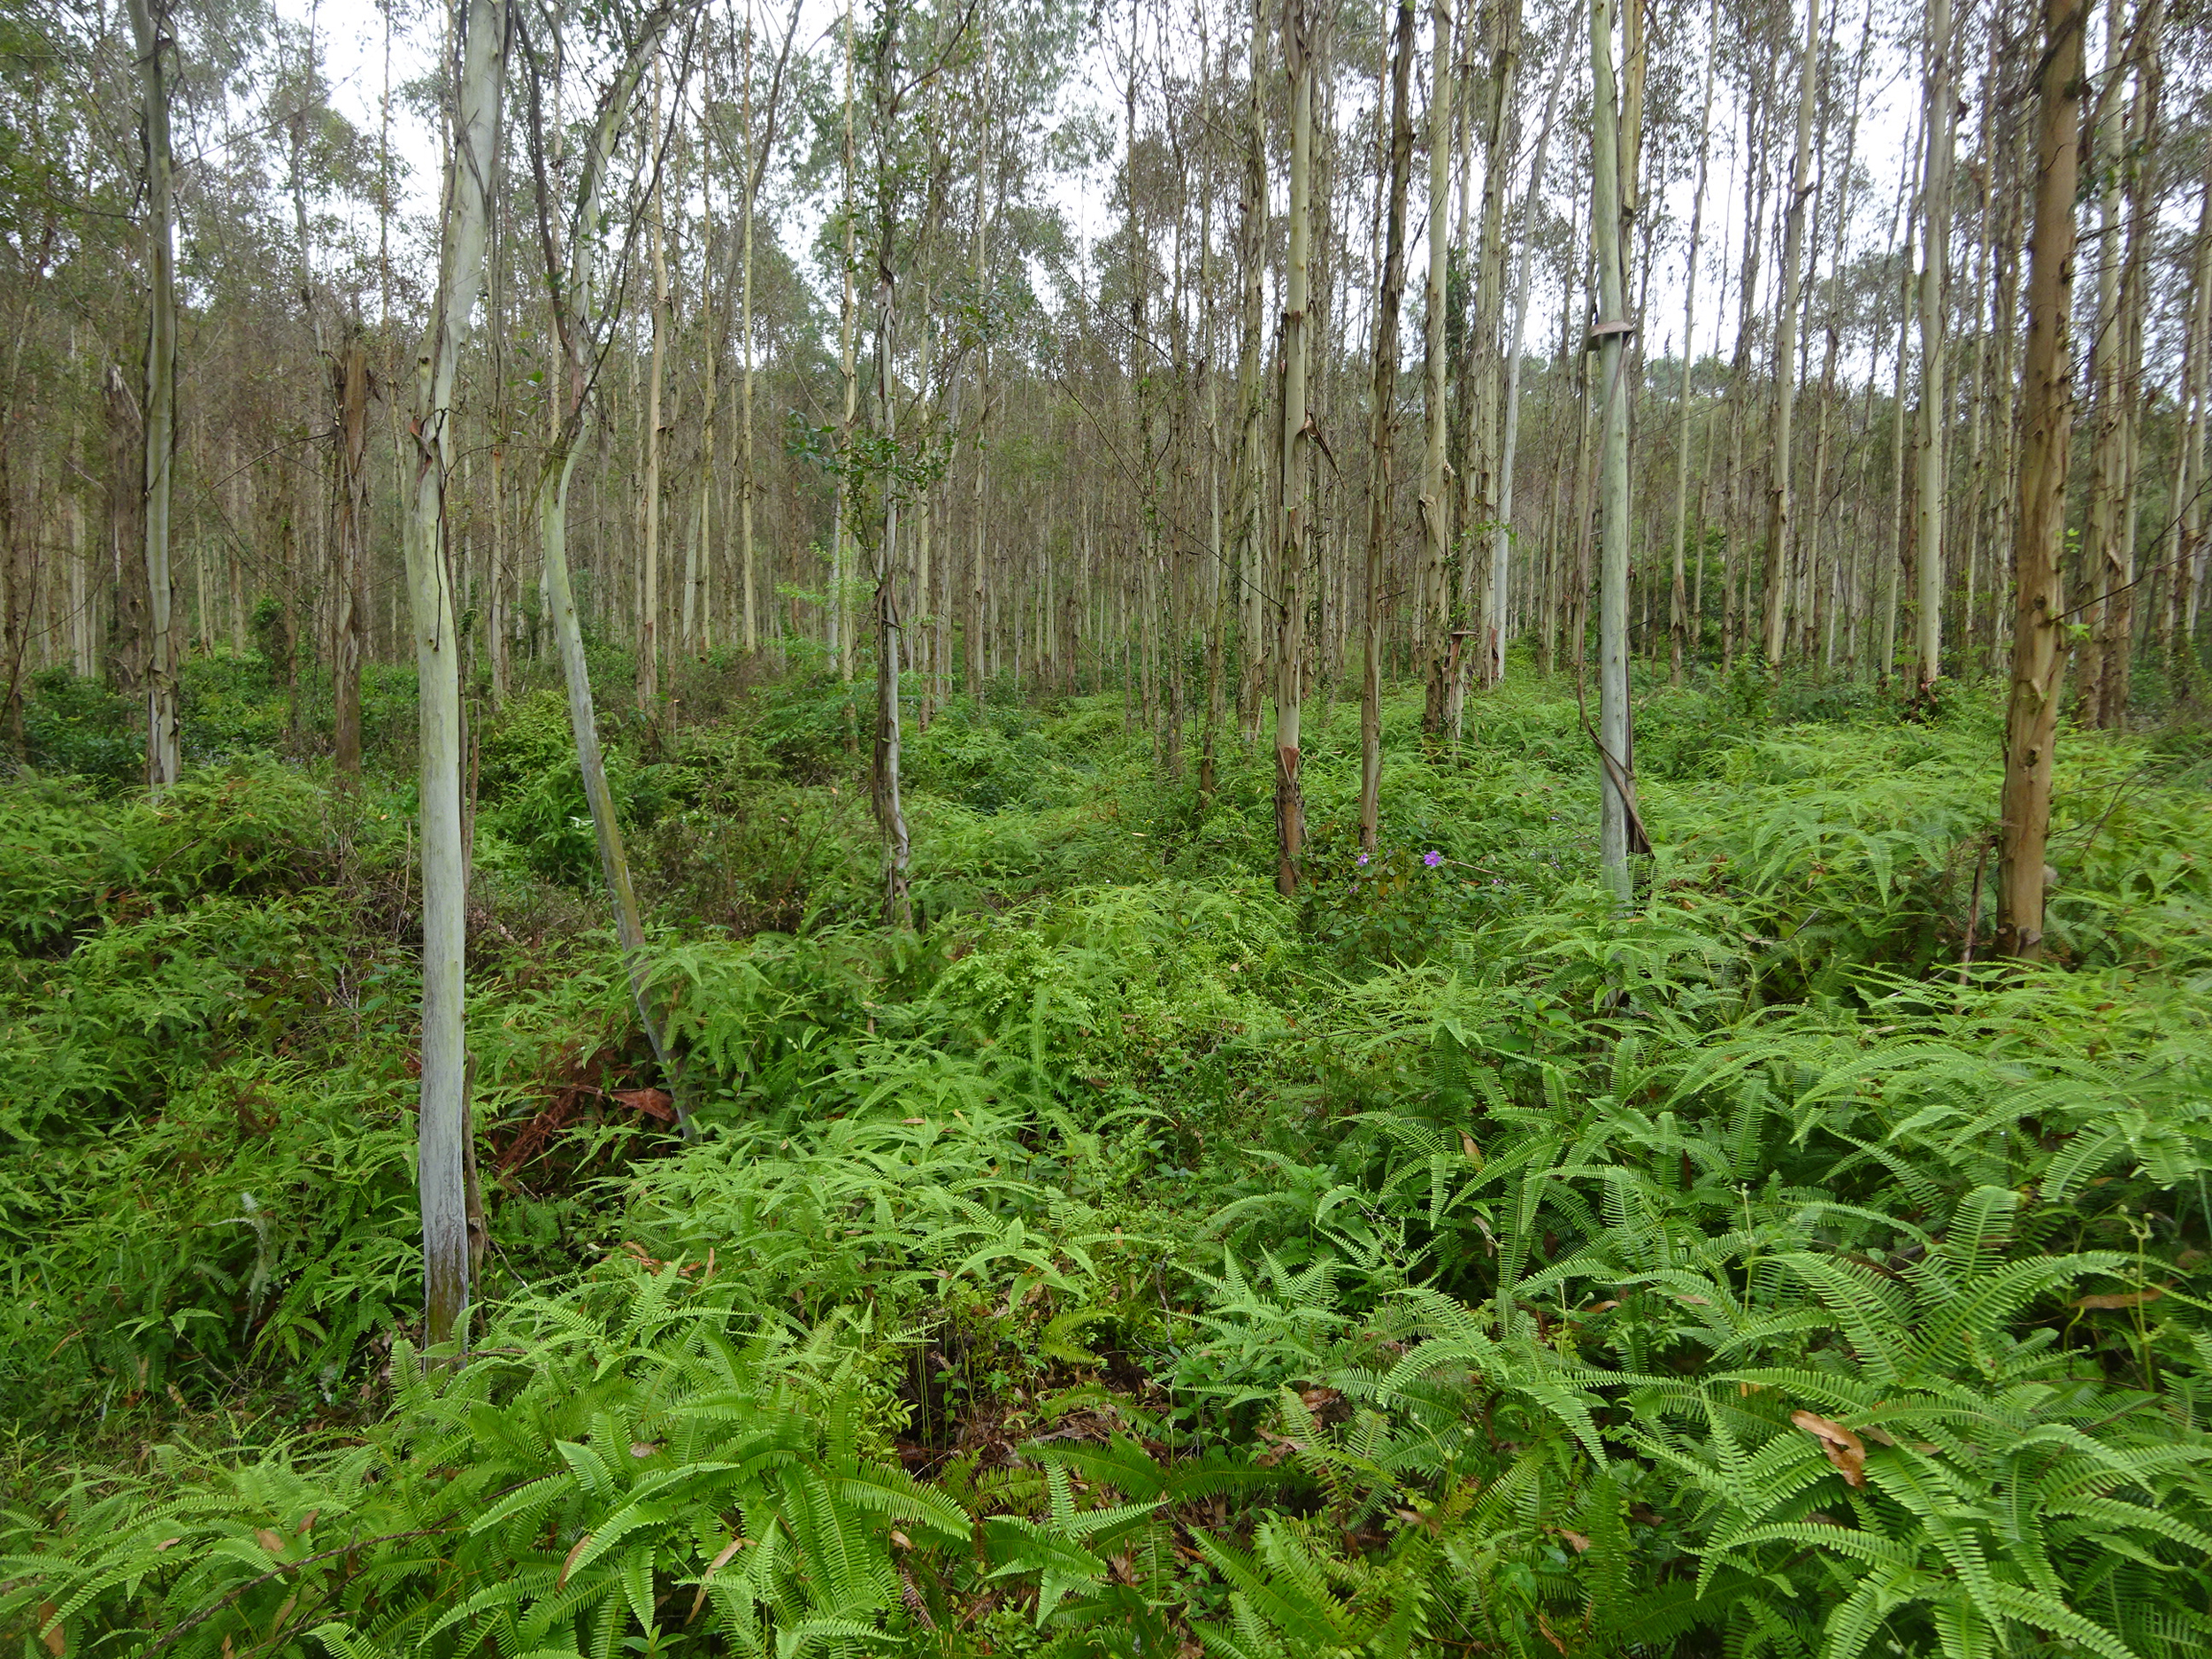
[149, 29]
[1381, 429]
[1939, 125]
[578, 325]
[648, 646]
[1779, 503]
[1508, 443]
[350, 389]
[2109, 554]
[1217, 584]
[1433, 598]
[1252, 519]
[898, 908]
[2186, 538]
[443, 1136]
[748, 483]
[1292, 524]
[1616, 796]
[1488, 373]
[1678, 596]
[2039, 638]
[974, 631]
[841, 643]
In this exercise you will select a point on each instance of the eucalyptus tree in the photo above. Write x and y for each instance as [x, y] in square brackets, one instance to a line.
[155, 45]
[1382, 422]
[1939, 122]
[1432, 624]
[1620, 832]
[2185, 535]
[583, 319]
[758, 154]
[476, 76]
[892, 463]
[1252, 538]
[2039, 621]
[2126, 172]
[1778, 504]
[1509, 445]
[1677, 592]
[1291, 519]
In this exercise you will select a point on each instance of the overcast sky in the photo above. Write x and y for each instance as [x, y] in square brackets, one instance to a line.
[352, 42]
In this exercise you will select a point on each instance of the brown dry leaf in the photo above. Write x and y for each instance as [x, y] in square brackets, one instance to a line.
[1580, 1541]
[644, 1449]
[713, 1567]
[574, 1550]
[270, 1541]
[656, 1104]
[167, 1543]
[2128, 1298]
[901, 1538]
[51, 1632]
[1845, 1450]
[1467, 1145]
[308, 1525]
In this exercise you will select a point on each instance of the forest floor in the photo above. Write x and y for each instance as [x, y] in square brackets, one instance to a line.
[1127, 1261]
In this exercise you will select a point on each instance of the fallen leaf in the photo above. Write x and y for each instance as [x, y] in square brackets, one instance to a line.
[656, 1104]
[270, 1541]
[1845, 1450]
[643, 1449]
[166, 1543]
[1580, 1541]
[901, 1538]
[1467, 1145]
[574, 1550]
[2128, 1298]
[713, 1567]
[50, 1630]
[308, 1525]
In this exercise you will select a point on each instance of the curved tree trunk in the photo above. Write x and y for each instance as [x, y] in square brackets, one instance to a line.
[577, 325]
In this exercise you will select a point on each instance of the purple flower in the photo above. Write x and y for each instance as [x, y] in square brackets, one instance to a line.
[1363, 858]
[1432, 859]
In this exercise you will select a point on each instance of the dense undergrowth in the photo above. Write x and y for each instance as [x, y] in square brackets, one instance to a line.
[1127, 1261]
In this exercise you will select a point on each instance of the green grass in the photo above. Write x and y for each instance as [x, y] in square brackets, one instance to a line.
[1129, 1261]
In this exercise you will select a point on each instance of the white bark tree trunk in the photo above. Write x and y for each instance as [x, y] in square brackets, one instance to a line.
[477, 75]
